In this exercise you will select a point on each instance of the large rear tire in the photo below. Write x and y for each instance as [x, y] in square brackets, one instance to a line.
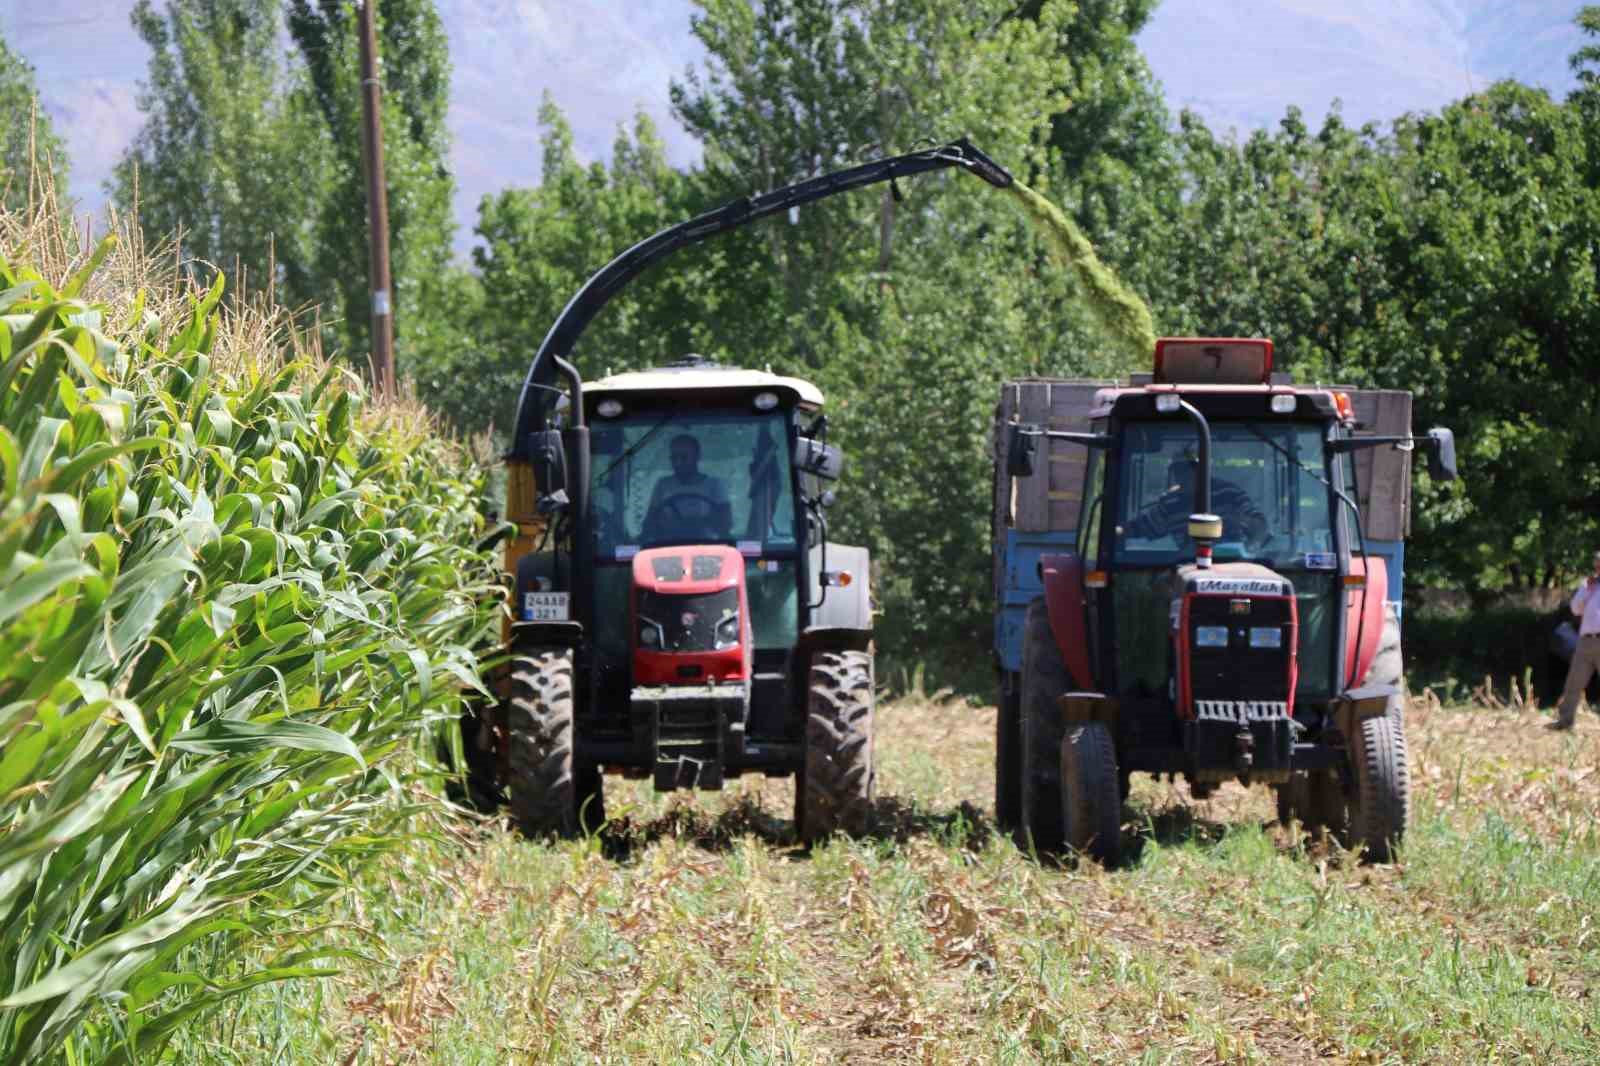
[1381, 806]
[1091, 801]
[1008, 755]
[1044, 680]
[834, 790]
[550, 794]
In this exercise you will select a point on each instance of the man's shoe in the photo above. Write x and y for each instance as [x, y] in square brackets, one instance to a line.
[1558, 727]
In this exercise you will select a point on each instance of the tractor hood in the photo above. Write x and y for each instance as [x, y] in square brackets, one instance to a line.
[1234, 579]
[689, 570]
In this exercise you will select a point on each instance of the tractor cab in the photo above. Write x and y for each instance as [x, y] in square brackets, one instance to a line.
[1220, 613]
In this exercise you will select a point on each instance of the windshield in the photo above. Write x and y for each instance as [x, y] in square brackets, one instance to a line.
[1268, 484]
[690, 476]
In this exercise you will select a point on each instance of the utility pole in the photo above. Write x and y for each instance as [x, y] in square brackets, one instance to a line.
[377, 209]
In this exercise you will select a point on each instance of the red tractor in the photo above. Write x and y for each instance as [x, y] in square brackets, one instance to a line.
[1203, 599]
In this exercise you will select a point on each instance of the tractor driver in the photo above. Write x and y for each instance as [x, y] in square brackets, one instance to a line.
[1242, 520]
[687, 503]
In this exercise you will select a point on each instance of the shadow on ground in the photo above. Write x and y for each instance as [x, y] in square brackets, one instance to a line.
[893, 820]
[1170, 826]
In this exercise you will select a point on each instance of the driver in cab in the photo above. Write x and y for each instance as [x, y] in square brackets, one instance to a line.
[1169, 514]
[687, 503]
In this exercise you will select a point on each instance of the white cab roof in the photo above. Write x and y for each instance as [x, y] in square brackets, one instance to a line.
[702, 379]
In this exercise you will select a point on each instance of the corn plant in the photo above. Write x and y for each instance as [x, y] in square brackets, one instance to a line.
[231, 606]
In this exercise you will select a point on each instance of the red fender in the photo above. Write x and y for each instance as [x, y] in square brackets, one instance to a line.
[1063, 599]
[1357, 661]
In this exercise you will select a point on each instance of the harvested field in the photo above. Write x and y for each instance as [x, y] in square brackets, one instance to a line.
[695, 931]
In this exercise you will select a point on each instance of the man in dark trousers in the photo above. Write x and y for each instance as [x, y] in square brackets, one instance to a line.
[1586, 657]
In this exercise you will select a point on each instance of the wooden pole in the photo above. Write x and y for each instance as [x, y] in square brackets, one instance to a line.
[381, 293]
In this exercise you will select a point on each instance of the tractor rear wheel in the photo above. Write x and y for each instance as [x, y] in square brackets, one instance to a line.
[1381, 806]
[1091, 801]
[550, 793]
[1008, 754]
[833, 791]
[1044, 679]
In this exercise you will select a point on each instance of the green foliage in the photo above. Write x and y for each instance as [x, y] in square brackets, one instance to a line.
[253, 157]
[228, 157]
[234, 612]
[30, 151]
[415, 70]
[541, 245]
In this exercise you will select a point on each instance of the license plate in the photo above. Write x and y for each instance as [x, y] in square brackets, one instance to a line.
[545, 606]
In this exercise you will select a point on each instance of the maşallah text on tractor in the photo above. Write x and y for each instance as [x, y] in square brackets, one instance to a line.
[1202, 579]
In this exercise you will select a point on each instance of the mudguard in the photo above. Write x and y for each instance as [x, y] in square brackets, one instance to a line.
[1363, 616]
[1064, 600]
[849, 606]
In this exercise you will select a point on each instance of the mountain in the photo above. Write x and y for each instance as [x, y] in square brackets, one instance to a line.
[1239, 63]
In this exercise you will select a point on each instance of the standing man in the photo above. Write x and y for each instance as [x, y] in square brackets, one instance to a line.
[1586, 657]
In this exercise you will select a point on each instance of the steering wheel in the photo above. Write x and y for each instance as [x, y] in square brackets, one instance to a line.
[671, 508]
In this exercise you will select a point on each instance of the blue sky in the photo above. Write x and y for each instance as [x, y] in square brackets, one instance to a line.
[1240, 63]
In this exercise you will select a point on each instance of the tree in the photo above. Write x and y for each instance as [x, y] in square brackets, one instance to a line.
[541, 244]
[253, 155]
[415, 71]
[227, 158]
[907, 310]
[32, 158]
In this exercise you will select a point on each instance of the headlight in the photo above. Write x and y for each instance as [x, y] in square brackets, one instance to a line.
[1211, 636]
[1266, 637]
[728, 632]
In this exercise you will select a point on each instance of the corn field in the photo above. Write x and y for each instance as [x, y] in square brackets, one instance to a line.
[236, 609]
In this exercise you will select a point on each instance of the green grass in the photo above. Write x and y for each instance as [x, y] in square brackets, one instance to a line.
[694, 931]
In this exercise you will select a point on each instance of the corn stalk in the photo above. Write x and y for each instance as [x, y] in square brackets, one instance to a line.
[231, 609]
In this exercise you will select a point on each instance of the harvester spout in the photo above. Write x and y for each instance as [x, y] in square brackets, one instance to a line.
[538, 391]
[976, 160]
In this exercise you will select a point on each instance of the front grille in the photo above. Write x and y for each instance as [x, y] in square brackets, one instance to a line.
[687, 623]
[1237, 671]
[1240, 690]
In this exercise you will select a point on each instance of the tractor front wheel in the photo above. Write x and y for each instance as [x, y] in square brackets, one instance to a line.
[1091, 801]
[1044, 679]
[1381, 806]
[550, 793]
[834, 789]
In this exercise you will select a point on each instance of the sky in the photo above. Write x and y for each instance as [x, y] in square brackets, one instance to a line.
[1239, 63]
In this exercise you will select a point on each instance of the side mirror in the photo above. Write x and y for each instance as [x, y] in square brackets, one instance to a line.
[1019, 450]
[814, 457]
[548, 455]
[1441, 454]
